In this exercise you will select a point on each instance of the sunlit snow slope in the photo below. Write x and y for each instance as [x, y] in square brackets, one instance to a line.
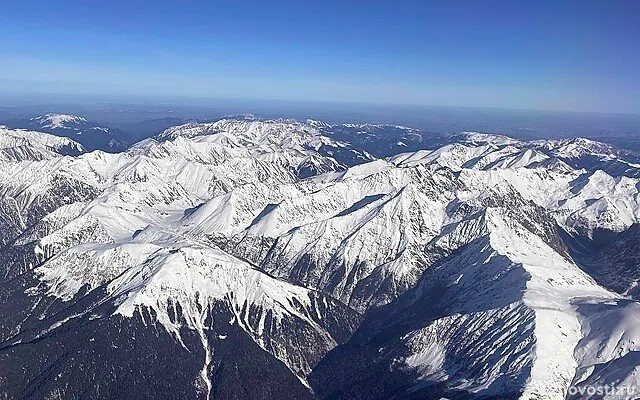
[267, 259]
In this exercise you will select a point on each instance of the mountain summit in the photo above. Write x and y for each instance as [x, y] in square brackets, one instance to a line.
[54, 121]
[269, 259]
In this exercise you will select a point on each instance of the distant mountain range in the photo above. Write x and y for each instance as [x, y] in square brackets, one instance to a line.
[259, 259]
[91, 135]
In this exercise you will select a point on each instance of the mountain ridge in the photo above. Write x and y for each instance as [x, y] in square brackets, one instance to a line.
[245, 232]
[91, 135]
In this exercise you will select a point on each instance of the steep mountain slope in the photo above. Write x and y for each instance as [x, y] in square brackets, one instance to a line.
[236, 259]
[493, 318]
[612, 259]
[28, 187]
[22, 145]
[113, 253]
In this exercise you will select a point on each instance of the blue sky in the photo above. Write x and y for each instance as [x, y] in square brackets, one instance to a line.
[569, 55]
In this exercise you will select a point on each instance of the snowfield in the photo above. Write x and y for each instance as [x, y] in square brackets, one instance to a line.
[448, 269]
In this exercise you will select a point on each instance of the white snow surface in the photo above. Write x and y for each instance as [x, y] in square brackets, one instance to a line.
[55, 121]
[215, 214]
[24, 145]
[284, 134]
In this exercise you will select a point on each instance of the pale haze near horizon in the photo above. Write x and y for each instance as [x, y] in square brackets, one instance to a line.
[576, 56]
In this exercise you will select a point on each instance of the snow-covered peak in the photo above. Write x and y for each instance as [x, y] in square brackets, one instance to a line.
[274, 138]
[477, 137]
[92, 136]
[214, 227]
[23, 145]
[248, 130]
[317, 123]
[55, 121]
[279, 132]
[369, 126]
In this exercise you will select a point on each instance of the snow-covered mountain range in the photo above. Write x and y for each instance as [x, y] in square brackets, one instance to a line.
[91, 135]
[278, 259]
